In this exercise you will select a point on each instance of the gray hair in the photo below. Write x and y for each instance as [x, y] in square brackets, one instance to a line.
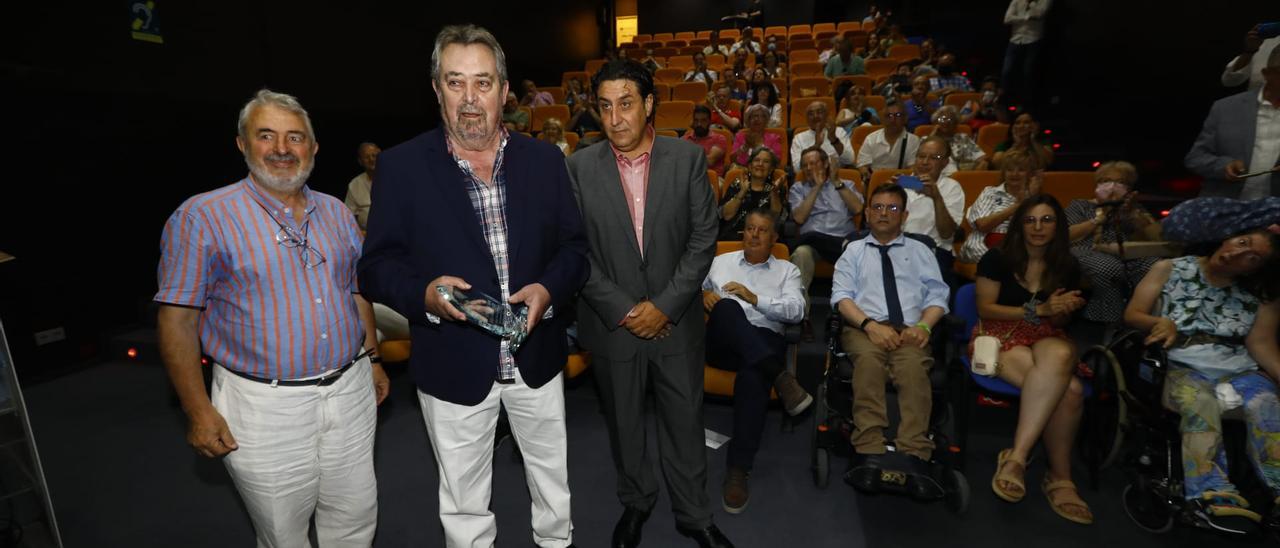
[944, 110]
[281, 101]
[466, 35]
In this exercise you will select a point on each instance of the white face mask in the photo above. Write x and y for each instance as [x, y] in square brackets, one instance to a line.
[1110, 190]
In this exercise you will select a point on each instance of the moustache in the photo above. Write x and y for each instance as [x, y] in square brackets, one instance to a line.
[286, 157]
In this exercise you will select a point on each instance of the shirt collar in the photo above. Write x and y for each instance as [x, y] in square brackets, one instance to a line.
[465, 165]
[621, 157]
[271, 203]
[900, 240]
[768, 262]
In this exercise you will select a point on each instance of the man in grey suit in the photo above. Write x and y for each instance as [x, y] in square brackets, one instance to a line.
[1242, 136]
[650, 220]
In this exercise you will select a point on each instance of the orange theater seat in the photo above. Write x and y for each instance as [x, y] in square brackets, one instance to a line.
[719, 382]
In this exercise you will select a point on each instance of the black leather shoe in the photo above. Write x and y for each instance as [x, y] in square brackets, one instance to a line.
[922, 484]
[864, 472]
[626, 534]
[709, 537]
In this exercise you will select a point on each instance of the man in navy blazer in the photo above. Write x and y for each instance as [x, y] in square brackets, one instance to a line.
[1241, 136]
[473, 207]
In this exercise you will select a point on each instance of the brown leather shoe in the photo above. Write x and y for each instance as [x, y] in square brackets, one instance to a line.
[794, 399]
[736, 493]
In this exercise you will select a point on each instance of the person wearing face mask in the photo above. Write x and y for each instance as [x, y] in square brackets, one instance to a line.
[986, 110]
[1097, 224]
[990, 214]
[948, 79]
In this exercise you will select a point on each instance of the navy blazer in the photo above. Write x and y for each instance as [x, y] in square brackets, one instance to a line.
[422, 226]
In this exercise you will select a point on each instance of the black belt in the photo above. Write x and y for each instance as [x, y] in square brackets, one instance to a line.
[329, 378]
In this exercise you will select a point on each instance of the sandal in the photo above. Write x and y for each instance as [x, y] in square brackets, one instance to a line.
[1069, 497]
[1005, 493]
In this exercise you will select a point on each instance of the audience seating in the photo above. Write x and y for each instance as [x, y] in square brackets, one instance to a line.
[629, 45]
[794, 29]
[591, 67]
[682, 62]
[973, 182]
[859, 38]
[716, 61]
[669, 75]
[824, 27]
[811, 86]
[542, 113]
[775, 31]
[862, 82]
[1069, 185]
[848, 26]
[925, 130]
[651, 44]
[806, 69]
[704, 34]
[732, 34]
[674, 115]
[882, 176]
[700, 42]
[959, 98]
[877, 102]
[799, 37]
[786, 143]
[860, 134]
[663, 36]
[802, 56]
[880, 67]
[665, 51]
[868, 26]
[662, 90]
[571, 139]
[685, 36]
[642, 38]
[823, 38]
[904, 51]
[689, 91]
[714, 179]
[728, 137]
[691, 50]
[802, 43]
[991, 135]
[678, 44]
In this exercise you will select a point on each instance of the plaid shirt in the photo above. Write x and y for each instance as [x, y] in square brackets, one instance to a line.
[490, 204]
[954, 81]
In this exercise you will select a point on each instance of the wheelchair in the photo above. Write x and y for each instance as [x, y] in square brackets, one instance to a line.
[1149, 441]
[833, 422]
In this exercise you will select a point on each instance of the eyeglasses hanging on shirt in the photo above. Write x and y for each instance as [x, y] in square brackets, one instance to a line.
[290, 238]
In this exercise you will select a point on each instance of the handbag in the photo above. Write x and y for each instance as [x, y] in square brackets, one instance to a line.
[986, 349]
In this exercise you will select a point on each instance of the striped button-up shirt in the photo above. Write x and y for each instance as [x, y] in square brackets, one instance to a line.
[234, 253]
[490, 204]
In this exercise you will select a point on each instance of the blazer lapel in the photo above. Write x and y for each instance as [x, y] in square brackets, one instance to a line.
[611, 187]
[449, 183]
[661, 177]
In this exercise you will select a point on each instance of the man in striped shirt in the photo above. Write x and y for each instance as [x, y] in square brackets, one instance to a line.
[260, 277]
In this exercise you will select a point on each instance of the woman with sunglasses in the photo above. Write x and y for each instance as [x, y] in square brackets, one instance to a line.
[1218, 316]
[1027, 290]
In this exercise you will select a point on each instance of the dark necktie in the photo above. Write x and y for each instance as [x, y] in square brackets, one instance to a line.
[890, 286]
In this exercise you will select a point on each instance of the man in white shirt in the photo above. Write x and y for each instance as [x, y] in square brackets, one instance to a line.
[1026, 21]
[700, 72]
[358, 189]
[1247, 67]
[822, 130]
[938, 206]
[890, 147]
[747, 42]
[715, 46]
[823, 207]
[748, 296]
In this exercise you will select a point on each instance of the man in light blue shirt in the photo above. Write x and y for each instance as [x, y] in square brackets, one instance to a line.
[824, 206]
[748, 296]
[889, 290]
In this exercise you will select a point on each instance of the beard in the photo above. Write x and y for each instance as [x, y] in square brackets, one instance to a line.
[701, 131]
[467, 130]
[286, 183]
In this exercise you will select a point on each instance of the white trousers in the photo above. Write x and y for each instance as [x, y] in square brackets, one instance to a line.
[303, 450]
[462, 440]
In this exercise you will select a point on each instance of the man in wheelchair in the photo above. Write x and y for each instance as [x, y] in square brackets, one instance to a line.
[889, 291]
[1218, 318]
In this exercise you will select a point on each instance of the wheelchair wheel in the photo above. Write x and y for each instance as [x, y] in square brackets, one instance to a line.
[1145, 509]
[958, 493]
[821, 457]
[1110, 414]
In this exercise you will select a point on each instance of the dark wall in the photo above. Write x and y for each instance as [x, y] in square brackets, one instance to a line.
[112, 134]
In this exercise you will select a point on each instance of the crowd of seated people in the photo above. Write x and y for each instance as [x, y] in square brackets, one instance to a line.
[1039, 265]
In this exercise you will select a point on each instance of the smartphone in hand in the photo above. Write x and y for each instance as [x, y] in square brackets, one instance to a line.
[910, 181]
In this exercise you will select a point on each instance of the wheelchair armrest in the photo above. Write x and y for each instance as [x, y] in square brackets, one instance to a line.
[791, 332]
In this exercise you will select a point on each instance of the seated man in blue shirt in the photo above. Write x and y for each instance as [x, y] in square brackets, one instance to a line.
[889, 291]
[748, 295]
[823, 206]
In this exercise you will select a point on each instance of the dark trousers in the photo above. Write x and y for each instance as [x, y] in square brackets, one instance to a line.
[677, 381]
[1018, 76]
[756, 354]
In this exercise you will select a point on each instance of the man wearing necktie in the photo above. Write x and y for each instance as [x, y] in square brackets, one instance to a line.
[889, 290]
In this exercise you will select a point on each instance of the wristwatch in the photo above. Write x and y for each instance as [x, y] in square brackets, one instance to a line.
[1029, 311]
[838, 186]
[863, 326]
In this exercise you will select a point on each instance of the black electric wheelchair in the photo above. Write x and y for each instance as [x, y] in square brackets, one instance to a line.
[833, 420]
[1149, 447]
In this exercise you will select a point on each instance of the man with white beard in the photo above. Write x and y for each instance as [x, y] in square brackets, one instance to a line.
[260, 276]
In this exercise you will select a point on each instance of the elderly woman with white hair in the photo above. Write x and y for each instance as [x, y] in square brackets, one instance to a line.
[753, 136]
[965, 152]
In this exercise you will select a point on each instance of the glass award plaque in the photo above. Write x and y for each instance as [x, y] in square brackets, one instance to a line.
[490, 314]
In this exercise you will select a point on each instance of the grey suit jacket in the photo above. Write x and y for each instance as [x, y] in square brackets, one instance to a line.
[679, 243]
[1228, 134]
